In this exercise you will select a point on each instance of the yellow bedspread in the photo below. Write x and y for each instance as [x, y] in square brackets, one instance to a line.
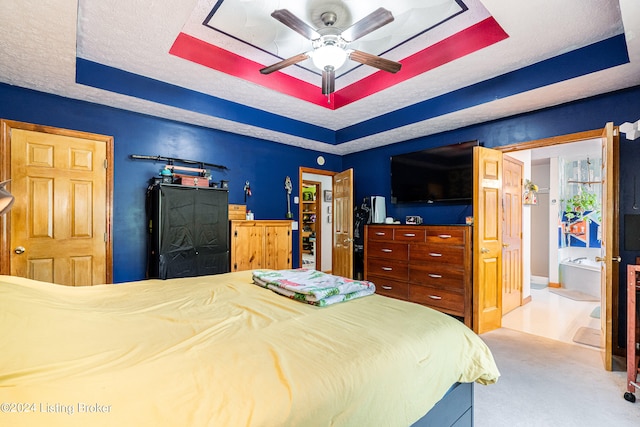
[221, 351]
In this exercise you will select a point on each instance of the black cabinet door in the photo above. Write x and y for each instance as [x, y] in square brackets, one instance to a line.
[189, 231]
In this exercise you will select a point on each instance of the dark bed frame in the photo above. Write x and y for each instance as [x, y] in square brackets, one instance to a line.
[455, 409]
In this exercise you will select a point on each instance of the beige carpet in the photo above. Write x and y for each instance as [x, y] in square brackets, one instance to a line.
[547, 383]
[574, 295]
[587, 336]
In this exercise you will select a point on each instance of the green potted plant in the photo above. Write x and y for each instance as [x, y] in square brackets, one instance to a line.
[582, 203]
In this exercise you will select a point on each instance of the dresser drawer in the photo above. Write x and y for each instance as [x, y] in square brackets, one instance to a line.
[446, 234]
[391, 269]
[388, 250]
[376, 232]
[409, 234]
[439, 276]
[441, 254]
[390, 288]
[444, 300]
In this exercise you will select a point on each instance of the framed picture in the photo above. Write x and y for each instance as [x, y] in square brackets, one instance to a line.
[327, 195]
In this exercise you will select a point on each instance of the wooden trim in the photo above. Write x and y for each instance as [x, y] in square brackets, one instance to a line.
[554, 285]
[526, 300]
[6, 126]
[562, 139]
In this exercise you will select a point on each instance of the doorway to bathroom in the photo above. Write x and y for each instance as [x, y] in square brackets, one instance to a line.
[562, 235]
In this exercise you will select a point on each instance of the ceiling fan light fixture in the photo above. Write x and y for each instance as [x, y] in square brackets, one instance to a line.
[329, 56]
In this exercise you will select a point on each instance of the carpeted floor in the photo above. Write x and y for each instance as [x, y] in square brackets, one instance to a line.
[550, 383]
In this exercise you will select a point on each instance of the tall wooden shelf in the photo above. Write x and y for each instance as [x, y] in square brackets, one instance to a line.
[309, 229]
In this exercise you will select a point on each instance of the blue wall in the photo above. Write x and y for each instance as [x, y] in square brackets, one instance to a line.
[263, 163]
[372, 167]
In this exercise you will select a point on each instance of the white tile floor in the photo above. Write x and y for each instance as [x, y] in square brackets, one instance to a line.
[552, 316]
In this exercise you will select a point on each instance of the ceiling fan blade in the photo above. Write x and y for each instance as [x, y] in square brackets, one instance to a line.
[295, 23]
[285, 63]
[328, 80]
[369, 23]
[375, 61]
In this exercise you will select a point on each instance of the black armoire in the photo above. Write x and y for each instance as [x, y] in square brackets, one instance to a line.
[189, 231]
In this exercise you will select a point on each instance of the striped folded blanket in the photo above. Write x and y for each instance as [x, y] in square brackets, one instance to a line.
[311, 286]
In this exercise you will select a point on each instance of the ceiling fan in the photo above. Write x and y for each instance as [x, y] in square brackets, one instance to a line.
[330, 44]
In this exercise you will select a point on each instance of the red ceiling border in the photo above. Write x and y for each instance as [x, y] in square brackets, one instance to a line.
[469, 40]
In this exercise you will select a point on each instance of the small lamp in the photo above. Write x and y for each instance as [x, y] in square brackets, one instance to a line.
[6, 199]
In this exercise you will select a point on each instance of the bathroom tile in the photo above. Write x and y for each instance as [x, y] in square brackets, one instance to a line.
[552, 316]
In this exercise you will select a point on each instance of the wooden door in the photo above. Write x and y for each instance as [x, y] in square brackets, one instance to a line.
[512, 171]
[609, 242]
[343, 224]
[59, 224]
[277, 245]
[247, 245]
[487, 240]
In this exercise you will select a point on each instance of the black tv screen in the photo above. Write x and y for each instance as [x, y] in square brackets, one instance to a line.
[434, 175]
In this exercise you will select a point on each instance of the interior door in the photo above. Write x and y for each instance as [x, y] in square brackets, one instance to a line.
[487, 240]
[512, 171]
[609, 242]
[59, 223]
[343, 224]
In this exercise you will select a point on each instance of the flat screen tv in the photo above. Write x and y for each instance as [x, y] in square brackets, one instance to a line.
[434, 175]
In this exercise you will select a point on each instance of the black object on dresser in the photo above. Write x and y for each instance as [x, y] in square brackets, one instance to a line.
[189, 231]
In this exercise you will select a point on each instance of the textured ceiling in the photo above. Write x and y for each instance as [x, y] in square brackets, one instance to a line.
[464, 62]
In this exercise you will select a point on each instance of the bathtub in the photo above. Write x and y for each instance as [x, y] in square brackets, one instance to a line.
[581, 274]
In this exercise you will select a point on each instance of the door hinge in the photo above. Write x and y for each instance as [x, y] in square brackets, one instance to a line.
[106, 164]
[105, 238]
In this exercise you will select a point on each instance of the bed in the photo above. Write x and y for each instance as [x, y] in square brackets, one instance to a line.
[222, 351]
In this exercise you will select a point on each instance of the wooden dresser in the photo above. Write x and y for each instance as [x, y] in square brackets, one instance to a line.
[429, 265]
[260, 244]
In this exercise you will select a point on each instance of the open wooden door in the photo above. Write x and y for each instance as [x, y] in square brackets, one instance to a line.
[609, 243]
[512, 271]
[343, 224]
[487, 240]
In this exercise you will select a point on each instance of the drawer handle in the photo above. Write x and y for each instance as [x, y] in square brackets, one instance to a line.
[387, 250]
[388, 288]
[435, 276]
[409, 234]
[435, 297]
[387, 268]
[380, 233]
[434, 254]
[444, 236]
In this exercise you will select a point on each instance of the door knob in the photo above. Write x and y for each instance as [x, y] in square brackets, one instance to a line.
[484, 250]
[19, 250]
[603, 259]
[505, 245]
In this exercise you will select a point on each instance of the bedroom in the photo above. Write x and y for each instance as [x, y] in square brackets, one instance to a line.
[29, 94]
